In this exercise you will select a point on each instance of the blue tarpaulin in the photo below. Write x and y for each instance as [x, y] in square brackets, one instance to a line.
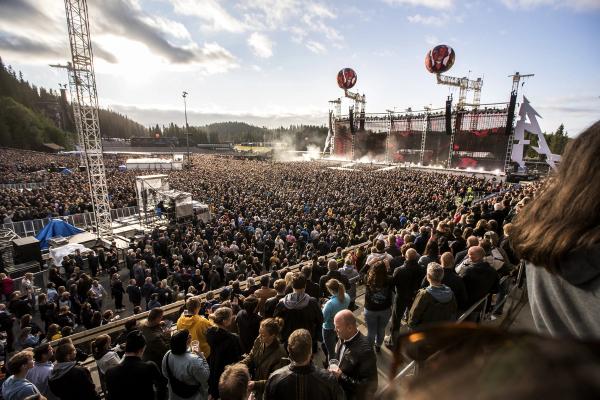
[56, 227]
[66, 171]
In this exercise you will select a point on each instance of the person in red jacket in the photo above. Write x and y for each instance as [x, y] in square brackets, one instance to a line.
[7, 286]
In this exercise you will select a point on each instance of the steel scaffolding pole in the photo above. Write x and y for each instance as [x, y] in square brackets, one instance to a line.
[87, 107]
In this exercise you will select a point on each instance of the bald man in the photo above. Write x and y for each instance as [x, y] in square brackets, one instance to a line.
[480, 278]
[357, 372]
[461, 255]
[407, 281]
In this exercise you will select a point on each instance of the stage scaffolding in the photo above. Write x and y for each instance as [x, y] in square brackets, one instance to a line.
[477, 139]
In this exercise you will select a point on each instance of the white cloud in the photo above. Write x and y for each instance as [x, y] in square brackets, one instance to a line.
[320, 10]
[427, 20]
[214, 16]
[315, 47]
[435, 4]
[578, 5]
[261, 45]
[123, 34]
[270, 14]
[169, 27]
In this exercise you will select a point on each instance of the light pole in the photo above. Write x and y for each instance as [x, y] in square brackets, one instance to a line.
[187, 134]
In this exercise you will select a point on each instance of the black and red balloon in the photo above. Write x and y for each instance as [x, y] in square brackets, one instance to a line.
[440, 59]
[346, 78]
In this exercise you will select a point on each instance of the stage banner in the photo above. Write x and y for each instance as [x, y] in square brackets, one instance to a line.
[437, 142]
[369, 143]
[480, 140]
[405, 138]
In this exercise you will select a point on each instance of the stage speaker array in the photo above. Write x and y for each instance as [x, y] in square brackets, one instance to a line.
[449, 116]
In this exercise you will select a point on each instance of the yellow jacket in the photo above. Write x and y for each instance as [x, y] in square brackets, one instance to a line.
[197, 327]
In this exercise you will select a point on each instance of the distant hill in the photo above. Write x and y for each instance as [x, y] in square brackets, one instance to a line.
[296, 136]
[30, 116]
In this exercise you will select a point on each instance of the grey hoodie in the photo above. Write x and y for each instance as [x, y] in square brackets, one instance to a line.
[567, 303]
[442, 294]
[17, 389]
[296, 301]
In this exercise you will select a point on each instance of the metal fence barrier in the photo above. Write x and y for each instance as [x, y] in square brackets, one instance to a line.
[83, 221]
[25, 185]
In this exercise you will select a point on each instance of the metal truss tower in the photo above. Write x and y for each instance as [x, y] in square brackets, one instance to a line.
[86, 106]
[464, 84]
[75, 106]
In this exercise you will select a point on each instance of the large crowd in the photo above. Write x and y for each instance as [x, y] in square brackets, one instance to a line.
[423, 253]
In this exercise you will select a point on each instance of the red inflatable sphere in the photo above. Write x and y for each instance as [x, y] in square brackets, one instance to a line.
[346, 78]
[439, 59]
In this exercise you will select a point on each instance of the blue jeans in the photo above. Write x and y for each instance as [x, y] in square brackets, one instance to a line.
[329, 339]
[376, 323]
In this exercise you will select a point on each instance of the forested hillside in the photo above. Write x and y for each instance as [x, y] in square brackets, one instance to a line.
[30, 116]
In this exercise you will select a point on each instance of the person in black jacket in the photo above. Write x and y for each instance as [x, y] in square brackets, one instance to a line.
[271, 303]
[301, 380]
[378, 303]
[299, 310]
[479, 277]
[357, 372]
[225, 347]
[69, 380]
[406, 280]
[248, 323]
[134, 378]
[333, 273]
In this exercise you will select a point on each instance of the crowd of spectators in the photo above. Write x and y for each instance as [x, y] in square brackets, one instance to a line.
[430, 255]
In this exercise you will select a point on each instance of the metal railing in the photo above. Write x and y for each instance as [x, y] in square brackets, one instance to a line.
[411, 367]
[85, 220]
[24, 185]
[85, 337]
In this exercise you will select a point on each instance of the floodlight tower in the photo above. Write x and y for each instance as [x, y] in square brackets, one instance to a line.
[86, 98]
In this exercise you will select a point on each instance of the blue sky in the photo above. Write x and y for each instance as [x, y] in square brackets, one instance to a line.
[273, 62]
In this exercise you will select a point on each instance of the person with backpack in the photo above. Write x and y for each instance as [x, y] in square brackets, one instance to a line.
[186, 369]
[436, 303]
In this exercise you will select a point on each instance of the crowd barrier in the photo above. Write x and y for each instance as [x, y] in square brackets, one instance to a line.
[27, 185]
[84, 221]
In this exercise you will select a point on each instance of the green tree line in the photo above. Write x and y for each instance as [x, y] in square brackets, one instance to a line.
[297, 136]
[557, 141]
[31, 115]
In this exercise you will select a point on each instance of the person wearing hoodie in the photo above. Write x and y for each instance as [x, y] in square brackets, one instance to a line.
[69, 380]
[16, 387]
[558, 235]
[436, 303]
[299, 310]
[195, 324]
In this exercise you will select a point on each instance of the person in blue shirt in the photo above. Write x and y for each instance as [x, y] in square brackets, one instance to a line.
[16, 387]
[339, 300]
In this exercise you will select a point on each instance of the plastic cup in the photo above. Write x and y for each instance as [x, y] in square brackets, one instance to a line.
[334, 365]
